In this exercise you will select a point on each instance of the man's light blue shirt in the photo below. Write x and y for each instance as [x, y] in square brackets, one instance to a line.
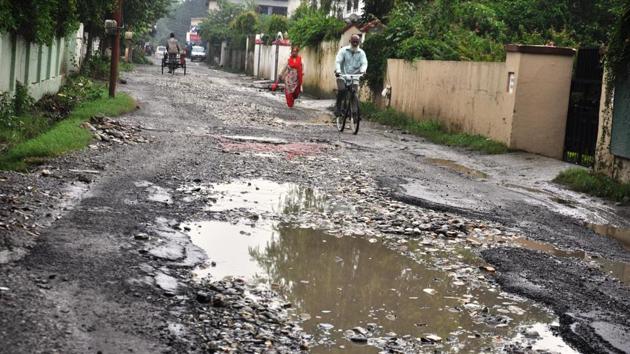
[350, 62]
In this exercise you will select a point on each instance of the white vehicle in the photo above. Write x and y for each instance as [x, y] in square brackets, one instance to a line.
[160, 51]
[198, 52]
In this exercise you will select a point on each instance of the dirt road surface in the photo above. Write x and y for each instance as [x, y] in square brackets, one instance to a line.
[336, 243]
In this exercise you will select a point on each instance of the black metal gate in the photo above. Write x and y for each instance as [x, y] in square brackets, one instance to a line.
[583, 115]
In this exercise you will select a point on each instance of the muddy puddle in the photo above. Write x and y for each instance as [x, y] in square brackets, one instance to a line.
[453, 166]
[616, 233]
[264, 196]
[356, 295]
[344, 287]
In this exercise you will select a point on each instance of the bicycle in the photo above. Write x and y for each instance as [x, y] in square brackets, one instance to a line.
[172, 63]
[350, 104]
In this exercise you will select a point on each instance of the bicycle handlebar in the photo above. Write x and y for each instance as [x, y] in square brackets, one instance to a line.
[351, 76]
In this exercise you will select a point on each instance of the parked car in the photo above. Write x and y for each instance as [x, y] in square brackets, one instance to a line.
[198, 53]
[159, 52]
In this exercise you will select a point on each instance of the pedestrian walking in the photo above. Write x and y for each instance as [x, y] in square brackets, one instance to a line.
[292, 74]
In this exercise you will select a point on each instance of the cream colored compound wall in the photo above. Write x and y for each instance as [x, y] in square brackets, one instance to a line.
[522, 102]
[464, 96]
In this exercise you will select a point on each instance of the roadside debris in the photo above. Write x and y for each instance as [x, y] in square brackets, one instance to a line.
[107, 130]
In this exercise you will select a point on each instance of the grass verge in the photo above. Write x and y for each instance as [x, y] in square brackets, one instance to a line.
[596, 184]
[431, 130]
[64, 136]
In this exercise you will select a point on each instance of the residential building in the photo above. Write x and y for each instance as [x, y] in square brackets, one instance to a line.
[349, 10]
[266, 7]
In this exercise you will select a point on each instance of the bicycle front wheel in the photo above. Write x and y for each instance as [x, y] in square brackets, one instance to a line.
[341, 119]
[355, 114]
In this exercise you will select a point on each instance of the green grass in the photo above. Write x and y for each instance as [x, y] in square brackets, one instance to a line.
[64, 136]
[126, 67]
[596, 184]
[431, 130]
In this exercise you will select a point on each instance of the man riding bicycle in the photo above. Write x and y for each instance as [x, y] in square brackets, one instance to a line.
[173, 49]
[351, 60]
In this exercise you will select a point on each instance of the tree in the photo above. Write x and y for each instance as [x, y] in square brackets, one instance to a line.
[216, 27]
[377, 9]
[245, 23]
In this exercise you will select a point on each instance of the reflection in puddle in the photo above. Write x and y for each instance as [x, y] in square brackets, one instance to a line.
[620, 234]
[266, 196]
[453, 166]
[336, 284]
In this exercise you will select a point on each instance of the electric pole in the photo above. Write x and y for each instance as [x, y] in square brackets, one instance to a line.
[113, 73]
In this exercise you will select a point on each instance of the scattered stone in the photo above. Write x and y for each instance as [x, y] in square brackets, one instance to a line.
[141, 236]
[359, 339]
[430, 291]
[488, 269]
[431, 338]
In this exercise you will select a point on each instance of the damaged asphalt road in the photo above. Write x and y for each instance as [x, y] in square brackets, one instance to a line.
[96, 252]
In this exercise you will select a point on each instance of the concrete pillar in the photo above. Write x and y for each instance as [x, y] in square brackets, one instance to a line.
[224, 50]
[541, 83]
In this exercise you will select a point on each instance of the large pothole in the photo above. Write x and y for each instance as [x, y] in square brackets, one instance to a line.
[354, 294]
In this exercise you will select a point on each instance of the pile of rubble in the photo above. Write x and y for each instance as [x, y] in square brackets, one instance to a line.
[108, 130]
[236, 317]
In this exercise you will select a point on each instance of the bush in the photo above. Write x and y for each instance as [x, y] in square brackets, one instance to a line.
[582, 180]
[96, 67]
[77, 89]
[314, 27]
[377, 52]
[22, 101]
[139, 57]
[273, 24]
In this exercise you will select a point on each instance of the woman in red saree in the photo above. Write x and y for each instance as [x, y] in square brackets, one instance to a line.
[292, 74]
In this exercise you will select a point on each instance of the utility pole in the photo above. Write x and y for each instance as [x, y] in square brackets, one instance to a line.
[113, 73]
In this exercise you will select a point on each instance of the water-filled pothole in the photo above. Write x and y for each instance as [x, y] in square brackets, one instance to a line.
[454, 166]
[616, 233]
[265, 196]
[346, 289]
[337, 284]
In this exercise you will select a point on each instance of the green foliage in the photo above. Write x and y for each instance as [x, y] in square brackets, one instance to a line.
[314, 27]
[77, 89]
[96, 67]
[22, 101]
[377, 9]
[582, 180]
[139, 57]
[377, 50]
[216, 27]
[38, 139]
[478, 29]
[245, 23]
[126, 67]
[618, 55]
[273, 24]
[431, 130]
[41, 21]
[140, 14]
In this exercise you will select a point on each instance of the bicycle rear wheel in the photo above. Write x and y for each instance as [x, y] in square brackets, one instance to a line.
[355, 114]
